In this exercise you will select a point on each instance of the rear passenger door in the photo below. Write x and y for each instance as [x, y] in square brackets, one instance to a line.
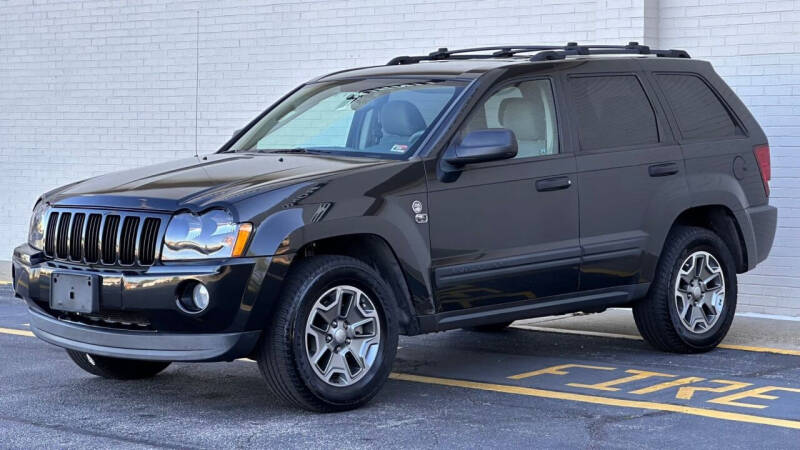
[630, 175]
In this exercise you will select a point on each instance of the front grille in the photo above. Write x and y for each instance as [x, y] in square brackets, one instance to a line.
[113, 238]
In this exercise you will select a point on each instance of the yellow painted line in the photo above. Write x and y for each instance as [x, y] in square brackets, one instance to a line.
[746, 348]
[4, 283]
[16, 332]
[597, 400]
[558, 395]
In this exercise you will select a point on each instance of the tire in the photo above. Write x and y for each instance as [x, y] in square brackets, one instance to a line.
[489, 328]
[297, 325]
[116, 368]
[658, 317]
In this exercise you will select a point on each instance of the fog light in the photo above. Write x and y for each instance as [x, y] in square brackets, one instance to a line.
[200, 296]
[193, 297]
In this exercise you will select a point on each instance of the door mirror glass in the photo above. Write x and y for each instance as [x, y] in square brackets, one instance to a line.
[482, 146]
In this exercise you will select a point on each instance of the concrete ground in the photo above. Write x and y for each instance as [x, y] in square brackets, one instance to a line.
[584, 381]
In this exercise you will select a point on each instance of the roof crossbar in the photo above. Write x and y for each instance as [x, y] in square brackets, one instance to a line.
[544, 52]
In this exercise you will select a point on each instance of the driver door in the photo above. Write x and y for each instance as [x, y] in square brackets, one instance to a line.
[506, 232]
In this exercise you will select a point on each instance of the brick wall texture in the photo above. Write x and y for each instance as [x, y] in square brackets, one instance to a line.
[89, 87]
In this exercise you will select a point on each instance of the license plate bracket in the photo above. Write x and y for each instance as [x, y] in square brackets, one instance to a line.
[74, 292]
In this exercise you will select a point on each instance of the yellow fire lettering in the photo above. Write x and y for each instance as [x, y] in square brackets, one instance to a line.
[667, 385]
[729, 400]
[557, 370]
[637, 375]
[686, 393]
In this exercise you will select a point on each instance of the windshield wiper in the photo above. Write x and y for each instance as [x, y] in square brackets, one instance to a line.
[310, 151]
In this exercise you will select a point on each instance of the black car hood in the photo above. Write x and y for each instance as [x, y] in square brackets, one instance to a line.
[198, 183]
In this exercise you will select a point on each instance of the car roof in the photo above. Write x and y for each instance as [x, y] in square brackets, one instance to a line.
[461, 68]
[469, 68]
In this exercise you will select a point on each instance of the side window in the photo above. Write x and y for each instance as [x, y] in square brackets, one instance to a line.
[698, 111]
[527, 109]
[612, 111]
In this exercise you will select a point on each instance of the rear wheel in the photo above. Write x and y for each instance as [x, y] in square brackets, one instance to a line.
[332, 339]
[490, 328]
[116, 368]
[692, 300]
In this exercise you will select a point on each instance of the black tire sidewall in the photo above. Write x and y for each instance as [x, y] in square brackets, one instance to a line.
[710, 243]
[380, 295]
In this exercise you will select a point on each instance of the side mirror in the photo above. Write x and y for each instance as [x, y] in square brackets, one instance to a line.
[482, 146]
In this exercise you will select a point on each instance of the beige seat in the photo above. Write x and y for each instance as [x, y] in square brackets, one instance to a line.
[526, 118]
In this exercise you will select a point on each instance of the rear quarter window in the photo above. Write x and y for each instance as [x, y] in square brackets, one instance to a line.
[698, 111]
[612, 111]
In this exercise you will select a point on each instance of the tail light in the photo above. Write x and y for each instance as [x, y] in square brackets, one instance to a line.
[762, 158]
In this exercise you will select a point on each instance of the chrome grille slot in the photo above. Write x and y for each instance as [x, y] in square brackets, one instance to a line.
[91, 250]
[127, 240]
[50, 237]
[148, 241]
[62, 243]
[110, 239]
[116, 238]
[76, 236]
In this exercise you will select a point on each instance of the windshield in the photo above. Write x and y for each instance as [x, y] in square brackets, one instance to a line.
[384, 118]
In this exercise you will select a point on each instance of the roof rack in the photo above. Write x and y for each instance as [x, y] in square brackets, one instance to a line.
[544, 52]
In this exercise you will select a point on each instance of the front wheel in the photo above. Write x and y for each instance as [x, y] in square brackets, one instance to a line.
[116, 368]
[333, 337]
[692, 300]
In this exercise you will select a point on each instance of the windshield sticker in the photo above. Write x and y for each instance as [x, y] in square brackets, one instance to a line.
[399, 148]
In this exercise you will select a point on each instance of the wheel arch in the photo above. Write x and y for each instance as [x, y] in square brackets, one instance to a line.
[722, 221]
[378, 253]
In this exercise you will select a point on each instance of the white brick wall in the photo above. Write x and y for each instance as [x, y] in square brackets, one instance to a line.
[88, 87]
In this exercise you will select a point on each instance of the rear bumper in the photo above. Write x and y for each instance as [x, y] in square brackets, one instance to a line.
[145, 345]
[758, 227]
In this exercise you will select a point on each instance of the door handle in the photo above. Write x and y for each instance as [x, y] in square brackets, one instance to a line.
[553, 184]
[663, 170]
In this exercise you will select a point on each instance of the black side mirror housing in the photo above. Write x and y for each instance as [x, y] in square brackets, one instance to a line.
[483, 146]
[478, 146]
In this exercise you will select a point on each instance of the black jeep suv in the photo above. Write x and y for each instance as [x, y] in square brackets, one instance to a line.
[465, 188]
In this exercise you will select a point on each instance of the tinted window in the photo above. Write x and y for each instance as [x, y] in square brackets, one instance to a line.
[612, 111]
[698, 111]
[527, 109]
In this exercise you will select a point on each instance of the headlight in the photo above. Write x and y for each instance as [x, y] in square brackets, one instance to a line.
[210, 235]
[36, 230]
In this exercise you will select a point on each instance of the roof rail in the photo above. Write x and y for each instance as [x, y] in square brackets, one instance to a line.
[544, 52]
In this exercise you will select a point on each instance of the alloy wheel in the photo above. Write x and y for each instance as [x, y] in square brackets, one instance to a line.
[699, 292]
[342, 335]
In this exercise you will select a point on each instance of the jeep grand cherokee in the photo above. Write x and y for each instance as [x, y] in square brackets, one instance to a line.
[464, 188]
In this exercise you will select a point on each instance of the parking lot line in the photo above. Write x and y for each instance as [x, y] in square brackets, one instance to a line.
[597, 400]
[745, 348]
[560, 395]
[16, 332]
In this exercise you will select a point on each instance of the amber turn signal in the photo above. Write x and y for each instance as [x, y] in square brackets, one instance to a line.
[242, 236]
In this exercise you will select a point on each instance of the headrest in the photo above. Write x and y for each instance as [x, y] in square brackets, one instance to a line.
[525, 117]
[401, 118]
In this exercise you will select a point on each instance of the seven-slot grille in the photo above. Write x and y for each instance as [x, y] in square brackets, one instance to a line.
[103, 237]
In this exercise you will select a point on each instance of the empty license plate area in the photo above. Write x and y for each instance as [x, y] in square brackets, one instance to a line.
[74, 292]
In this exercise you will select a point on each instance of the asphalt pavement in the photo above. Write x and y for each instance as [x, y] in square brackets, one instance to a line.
[585, 382]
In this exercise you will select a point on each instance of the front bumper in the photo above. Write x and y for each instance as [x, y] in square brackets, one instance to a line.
[142, 345]
[138, 316]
